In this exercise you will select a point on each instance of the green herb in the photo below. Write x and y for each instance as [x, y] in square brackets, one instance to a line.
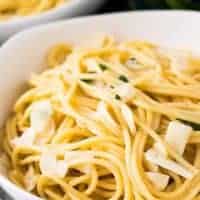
[123, 78]
[178, 4]
[91, 72]
[89, 81]
[117, 97]
[103, 67]
[111, 86]
[195, 126]
[133, 59]
[163, 4]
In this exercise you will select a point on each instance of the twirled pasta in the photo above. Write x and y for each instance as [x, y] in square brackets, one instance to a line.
[16, 8]
[104, 109]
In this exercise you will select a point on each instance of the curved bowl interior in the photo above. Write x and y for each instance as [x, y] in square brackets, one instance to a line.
[25, 52]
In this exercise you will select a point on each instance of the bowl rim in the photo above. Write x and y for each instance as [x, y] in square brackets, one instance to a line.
[41, 16]
[5, 181]
[78, 19]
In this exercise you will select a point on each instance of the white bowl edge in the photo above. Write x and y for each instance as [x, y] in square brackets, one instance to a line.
[72, 8]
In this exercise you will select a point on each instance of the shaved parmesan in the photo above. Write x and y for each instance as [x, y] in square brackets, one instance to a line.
[61, 168]
[178, 135]
[160, 149]
[128, 116]
[104, 115]
[30, 179]
[50, 166]
[156, 158]
[92, 65]
[45, 136]
[158, 179]
[26, 139]
[40, 115]
[125, 91]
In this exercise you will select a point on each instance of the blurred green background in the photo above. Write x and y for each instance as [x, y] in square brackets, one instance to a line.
[120, 5]
[163, 4]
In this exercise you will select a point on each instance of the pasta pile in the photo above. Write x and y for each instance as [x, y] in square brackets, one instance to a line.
[16, 8]
[116, 121]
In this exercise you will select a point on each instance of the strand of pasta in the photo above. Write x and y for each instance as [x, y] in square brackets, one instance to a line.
[15, 8]
[106, 154]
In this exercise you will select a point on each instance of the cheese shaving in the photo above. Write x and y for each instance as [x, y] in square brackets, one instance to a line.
[178, 135]
[40, 115]
[26, 139]
[156, 158]
[158, 179]
[158, 147]
[50, 166]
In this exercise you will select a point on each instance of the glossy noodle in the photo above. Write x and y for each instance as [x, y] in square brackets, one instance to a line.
[10, 9]
[113, 121]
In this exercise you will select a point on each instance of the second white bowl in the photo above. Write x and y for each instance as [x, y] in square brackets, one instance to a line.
[71, 9]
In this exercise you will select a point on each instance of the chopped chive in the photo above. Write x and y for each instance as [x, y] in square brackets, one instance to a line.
[103, 67]
[117, 97]
[87, 80]
[123, 78]
[133, 59]
[91, 72]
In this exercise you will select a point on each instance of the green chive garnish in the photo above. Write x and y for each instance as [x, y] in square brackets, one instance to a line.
[103, 67]
[123, 78]
[87, 80]
[117, 97]
[133, 59]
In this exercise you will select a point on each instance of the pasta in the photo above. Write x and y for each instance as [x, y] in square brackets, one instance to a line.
[17, 8]
[116, 121]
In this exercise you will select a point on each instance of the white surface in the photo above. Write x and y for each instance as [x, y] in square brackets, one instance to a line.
[25, 52]
[70, 9]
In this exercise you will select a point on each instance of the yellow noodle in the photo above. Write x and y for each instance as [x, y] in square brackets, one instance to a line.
[17, 8]
[116, 166]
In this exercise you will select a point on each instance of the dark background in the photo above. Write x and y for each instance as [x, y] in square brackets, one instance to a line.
[123, 5]
[115, 5]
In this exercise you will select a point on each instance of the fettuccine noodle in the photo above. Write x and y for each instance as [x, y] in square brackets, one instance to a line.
[17, 8]
[116, 121]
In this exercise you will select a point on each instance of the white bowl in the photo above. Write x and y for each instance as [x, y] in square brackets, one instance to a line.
[25, 52]
[70, 9]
